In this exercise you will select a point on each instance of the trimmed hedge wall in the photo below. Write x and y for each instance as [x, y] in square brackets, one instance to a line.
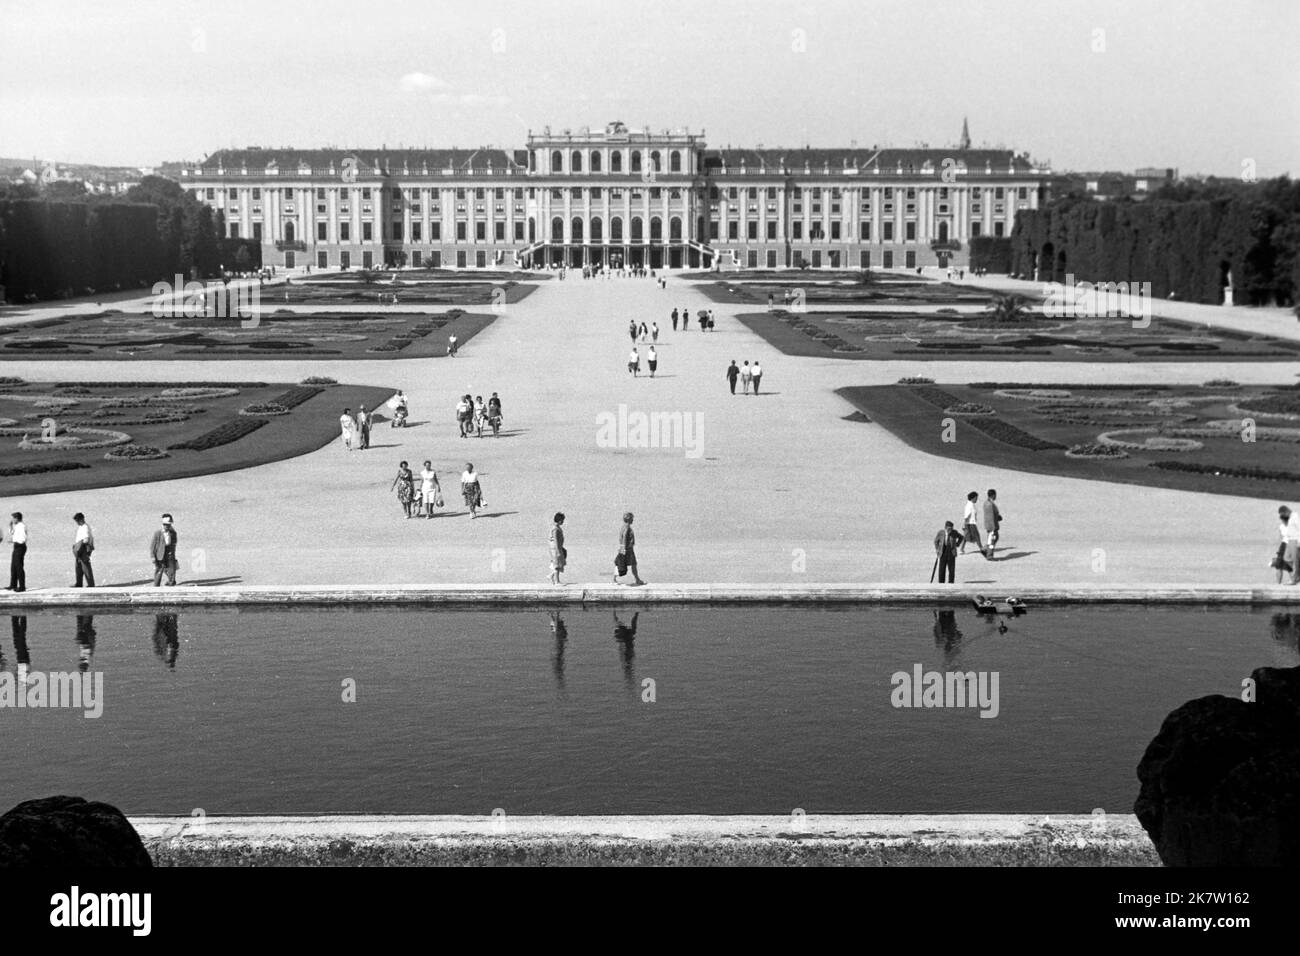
[991, 253]
[1181, 241]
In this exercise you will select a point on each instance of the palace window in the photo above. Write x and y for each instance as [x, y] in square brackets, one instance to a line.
[367, 231]
[212, 193]
[999, 193]
[975, 207]
[751, 230]
[797, 226]
[943, 207]
[771, 192]
[674, 194]
[864, 231]
[655, 192]
[365, 193]
[731, 192]
[997, 229]
[1023, 192]
[713, 229]
[976, 228]
[675, 161]
[943, 192]
[910, 209]
[500, 231]
[835, 209]
[909, 232]
[866, 207]
[234, 230]
[835, 230]
[713, 192]
[322, 231]
[636, 161]
[753, 192]
[595, 161]
[911, 193]
[320, 207]
[480, 231]
[889, 232]
[519, 230]
[557, 161]
[889, 192]
[416, 232]
[733, 230]
[397, 231]
[257, 193]
[815, 232]
[345, 231]
[435, 231]
[320, 193]
[257, 231]
[771, 229]
[397, 192]
[460, 192]
[616, 161]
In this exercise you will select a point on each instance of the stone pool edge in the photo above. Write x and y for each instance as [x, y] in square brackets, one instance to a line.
[669, 840]
[528, 594]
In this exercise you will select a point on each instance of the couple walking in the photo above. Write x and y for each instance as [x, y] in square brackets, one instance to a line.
[992, 523]
[624, 559]
[356, 430]
[634, 362]
[748, 375]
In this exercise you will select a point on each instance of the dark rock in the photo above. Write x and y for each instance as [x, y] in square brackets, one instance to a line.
[69, 831]
[1221, 780]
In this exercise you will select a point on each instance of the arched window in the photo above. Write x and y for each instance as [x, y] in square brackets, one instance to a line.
[616, 161]
[675, 229]
[943, 231]
[575, 161]
[557, 161]
[616, 227]
[595, 160]
[636, 228]
[675, 161]
[636, 161]
[576, 234]
[288, 232]
[656, 229]
[596, 234]
[557, 229]
[532, 229]
[654, 161]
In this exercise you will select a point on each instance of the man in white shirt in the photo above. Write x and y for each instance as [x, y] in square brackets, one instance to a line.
[83, 545]
[18, 536]
[1289, 532]
[757, 375]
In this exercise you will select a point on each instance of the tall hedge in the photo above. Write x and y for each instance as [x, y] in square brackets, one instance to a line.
[52, 249]
[992, 253]
[1181, 241]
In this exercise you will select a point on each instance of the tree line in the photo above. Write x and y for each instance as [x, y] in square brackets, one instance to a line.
[59, 241]
[1189, 240]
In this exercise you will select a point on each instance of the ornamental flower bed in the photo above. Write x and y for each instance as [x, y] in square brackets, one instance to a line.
[1156, 442]
[1094, 449]
[916, 380]
[71, 440]
[264, 409]
[969, 408]
[135, 453]
[171, 394]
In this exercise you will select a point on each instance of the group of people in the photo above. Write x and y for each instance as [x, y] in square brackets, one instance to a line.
[950, 542]
[683, 316]
[474, 414]
[421, 501]
[162, 552]
[749, 375]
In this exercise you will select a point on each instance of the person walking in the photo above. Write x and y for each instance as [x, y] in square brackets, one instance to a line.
[83, 546]
[992, 521]
[746, 376]
[654, 332]
[471, 490]
[634, 363]
[465, 415]
[559, 556]
[451, 346]
[757, 375]
[652, 359]
[733, 373]
[643, 332]
[430, 490]
[363, 427]
[625, 560]
[348, 426]
[631, 330]
[163, 551]
[674, 320]
[405, 485]
[18, 538]
[946, 543]
[1288, 552]
[686, 319]
[970, 522]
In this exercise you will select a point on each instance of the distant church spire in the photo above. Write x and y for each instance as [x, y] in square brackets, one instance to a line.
[965, 135]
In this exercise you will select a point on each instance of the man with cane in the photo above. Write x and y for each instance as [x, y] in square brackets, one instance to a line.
[946, 543]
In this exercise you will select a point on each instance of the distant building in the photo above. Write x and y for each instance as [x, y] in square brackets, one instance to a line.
[618, 196]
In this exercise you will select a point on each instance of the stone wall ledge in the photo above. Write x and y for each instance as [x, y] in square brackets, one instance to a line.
[800, 839]
[533, 595]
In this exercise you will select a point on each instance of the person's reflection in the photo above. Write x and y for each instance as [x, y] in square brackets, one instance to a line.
[85, 640]
[625, 637]
[947, 635]
[561, 632]
[19, 625]
[1285, 628]
[166, 638]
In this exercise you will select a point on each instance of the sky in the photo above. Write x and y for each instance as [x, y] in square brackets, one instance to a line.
[1208, 87]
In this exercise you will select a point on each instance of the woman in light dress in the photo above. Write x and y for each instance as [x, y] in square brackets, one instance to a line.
[348, 426]
[430, 490]
[470, 489]
[559, 554]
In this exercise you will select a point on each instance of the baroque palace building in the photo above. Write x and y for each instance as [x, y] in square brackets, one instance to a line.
[618, 197]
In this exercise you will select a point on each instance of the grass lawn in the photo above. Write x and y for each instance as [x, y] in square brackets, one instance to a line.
[389, 332]
[1192, 438]
[953, 335]
[820, 289]
[161, 416]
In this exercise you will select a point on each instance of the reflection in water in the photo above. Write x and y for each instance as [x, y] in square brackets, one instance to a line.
[625, 636]
[19, 625]
[947, 635]
[561, 632]
[85, 640]
[166, 638]
[1285, 627]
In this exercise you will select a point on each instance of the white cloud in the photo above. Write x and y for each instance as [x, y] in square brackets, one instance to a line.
[421, 82]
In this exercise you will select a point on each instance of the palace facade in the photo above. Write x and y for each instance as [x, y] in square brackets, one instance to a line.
[618, 197]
